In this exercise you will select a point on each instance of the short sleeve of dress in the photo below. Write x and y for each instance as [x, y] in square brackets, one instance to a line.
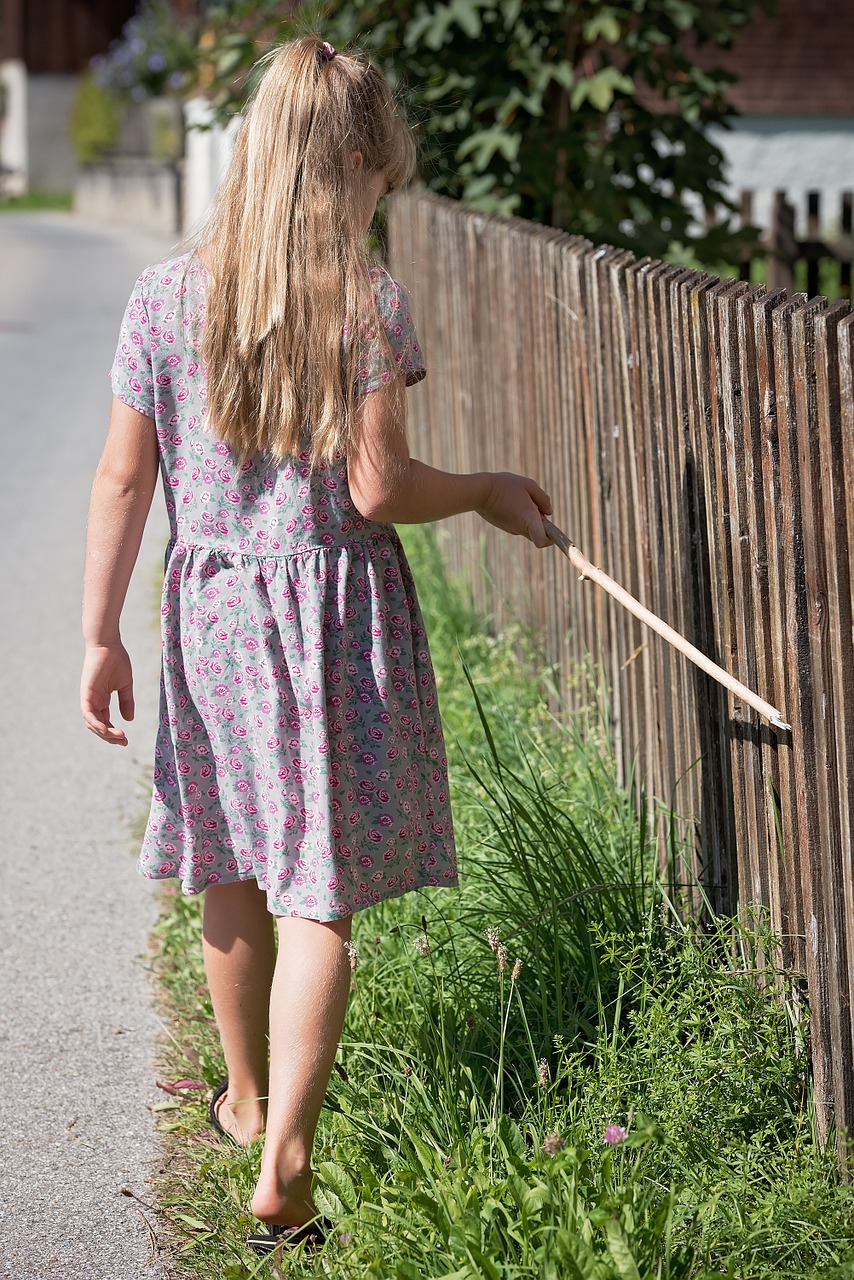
[404, 357]
[131, 375]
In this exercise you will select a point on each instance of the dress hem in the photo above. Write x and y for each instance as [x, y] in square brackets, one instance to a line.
[298, 913]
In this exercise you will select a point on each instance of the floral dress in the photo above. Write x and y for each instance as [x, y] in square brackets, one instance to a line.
[299, 741]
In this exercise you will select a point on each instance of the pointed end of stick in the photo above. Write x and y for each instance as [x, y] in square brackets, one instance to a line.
[779, 723]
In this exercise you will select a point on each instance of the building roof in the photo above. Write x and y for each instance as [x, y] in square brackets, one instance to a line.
[798, 63]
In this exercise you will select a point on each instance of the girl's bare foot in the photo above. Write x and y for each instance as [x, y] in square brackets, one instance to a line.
[242, 1120]
[288, 1203]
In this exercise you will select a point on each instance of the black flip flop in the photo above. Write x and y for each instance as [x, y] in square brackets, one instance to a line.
[222, 1088]
[312, 1234]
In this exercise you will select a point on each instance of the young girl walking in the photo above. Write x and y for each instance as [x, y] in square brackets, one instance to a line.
[300, 771]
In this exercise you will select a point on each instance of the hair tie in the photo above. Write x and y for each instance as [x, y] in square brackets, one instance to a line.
[327, 52]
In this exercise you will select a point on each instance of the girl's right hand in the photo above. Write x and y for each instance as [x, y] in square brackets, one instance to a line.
[106, 670]
[517, 504]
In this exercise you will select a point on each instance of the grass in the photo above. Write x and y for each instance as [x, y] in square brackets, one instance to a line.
[829, 277]
[829, 272]
[463, 1131]
[37, 200]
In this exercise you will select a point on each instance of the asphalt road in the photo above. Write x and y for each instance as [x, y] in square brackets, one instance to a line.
[77, 1025]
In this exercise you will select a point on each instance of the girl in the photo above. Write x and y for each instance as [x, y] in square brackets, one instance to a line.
[299, 769]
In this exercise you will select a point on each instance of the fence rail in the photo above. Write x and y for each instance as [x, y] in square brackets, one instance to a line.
[781, 250]
[697, 437]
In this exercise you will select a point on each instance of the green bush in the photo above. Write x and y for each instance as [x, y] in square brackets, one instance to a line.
[94, 124]
[165, 129]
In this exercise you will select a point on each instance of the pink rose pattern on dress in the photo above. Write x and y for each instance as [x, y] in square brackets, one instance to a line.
[299, 741]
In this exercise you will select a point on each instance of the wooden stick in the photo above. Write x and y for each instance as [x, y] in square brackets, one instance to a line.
[588, 570]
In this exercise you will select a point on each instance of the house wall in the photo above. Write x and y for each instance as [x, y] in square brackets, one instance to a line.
[794, 61]
[794, 155]
[58, 37]
[44, 46]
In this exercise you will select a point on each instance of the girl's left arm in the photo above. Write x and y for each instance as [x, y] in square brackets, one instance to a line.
[121, 499]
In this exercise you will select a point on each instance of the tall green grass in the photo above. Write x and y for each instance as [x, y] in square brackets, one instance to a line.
[495, 1032]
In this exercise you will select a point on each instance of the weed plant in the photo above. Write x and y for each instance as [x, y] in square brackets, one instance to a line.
[544, 1074]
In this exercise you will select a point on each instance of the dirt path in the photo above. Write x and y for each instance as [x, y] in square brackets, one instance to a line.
[77, 1028]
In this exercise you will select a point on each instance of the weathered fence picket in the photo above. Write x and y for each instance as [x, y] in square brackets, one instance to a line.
[781, 249]
[697, 437]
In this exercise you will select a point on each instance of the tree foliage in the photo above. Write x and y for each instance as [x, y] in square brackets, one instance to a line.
[585, 115]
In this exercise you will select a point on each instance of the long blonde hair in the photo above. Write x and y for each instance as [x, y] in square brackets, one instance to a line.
[288, 261]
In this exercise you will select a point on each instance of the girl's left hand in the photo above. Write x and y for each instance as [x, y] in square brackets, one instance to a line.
[106, 670]
[517, 504]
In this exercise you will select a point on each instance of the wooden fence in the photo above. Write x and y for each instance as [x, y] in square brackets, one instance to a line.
[697, 438]
[781, 250]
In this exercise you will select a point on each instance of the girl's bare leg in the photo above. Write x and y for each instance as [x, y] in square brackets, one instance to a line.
[307, 1007]
[239, 946]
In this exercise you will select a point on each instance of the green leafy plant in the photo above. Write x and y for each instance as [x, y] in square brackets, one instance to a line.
[94, 121]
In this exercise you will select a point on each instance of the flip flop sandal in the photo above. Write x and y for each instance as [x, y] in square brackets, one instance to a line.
[312, 1234]
[218, 1093]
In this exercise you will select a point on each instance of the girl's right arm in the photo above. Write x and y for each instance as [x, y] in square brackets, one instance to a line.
[121, 498]
[387, 485]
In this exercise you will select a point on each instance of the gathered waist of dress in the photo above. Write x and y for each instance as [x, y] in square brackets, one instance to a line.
[284, 549]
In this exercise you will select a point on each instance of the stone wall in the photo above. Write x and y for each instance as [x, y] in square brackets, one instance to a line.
[132, 191]
[51, 165]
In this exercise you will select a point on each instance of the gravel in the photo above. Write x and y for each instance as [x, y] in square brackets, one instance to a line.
[77, 1026]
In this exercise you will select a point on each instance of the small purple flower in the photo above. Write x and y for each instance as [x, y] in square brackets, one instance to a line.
[552, 1144]
[615, 1134]
[156, 62]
